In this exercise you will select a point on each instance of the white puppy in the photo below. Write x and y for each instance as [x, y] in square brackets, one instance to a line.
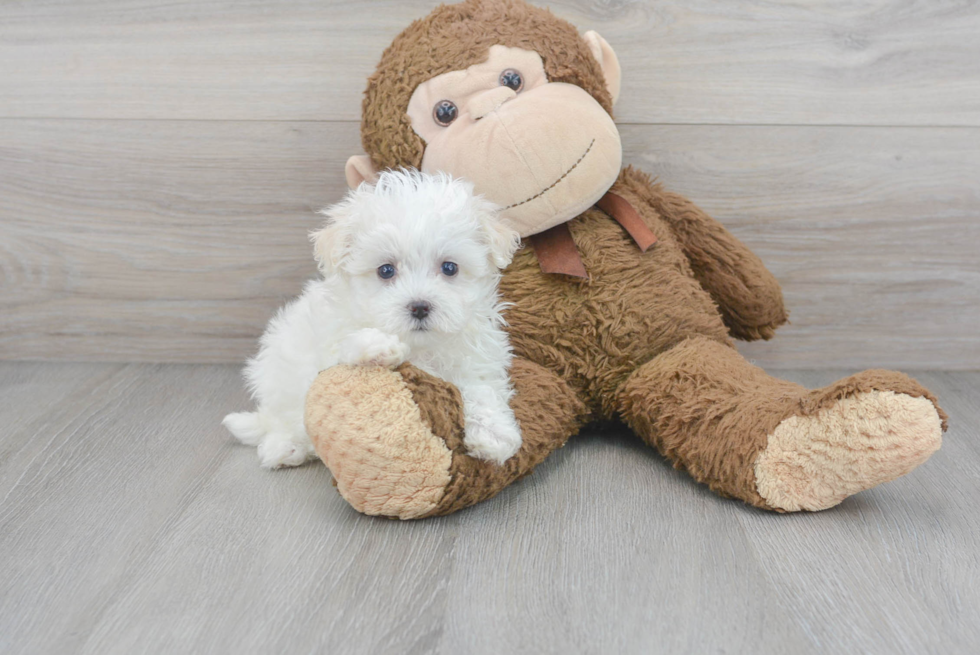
[410, 270]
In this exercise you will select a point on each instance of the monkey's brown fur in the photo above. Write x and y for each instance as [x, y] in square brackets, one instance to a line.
[646, 339]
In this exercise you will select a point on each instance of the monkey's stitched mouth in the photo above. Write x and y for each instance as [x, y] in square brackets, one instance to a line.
[555, 183]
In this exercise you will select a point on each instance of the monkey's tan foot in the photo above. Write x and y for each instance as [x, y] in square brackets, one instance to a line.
[367, 429]
[394, 439]
[865, 430]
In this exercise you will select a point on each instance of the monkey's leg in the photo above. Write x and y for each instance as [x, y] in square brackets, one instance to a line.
[394, 439]
[773, 443]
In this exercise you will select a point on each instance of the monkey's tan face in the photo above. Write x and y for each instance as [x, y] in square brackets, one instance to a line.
[544, 151]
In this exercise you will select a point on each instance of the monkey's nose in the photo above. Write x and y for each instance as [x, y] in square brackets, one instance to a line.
[488, 101]
[419, 309]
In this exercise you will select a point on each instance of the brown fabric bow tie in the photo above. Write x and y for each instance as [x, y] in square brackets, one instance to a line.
[557, 253]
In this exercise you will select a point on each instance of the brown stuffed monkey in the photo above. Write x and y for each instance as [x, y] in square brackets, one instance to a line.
[624, 299]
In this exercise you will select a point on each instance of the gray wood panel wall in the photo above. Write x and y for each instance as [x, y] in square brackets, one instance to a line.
[160, 163]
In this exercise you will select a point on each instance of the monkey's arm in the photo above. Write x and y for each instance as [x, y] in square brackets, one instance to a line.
[393, 440]
[747, 294]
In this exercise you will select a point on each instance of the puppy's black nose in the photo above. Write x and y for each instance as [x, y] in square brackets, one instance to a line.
[419, 309]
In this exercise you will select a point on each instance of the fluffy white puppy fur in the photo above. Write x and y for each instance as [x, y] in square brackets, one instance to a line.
[410, 270]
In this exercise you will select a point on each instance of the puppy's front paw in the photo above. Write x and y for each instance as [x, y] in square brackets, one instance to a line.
[280, 450]
[496, 443]
[371, 347]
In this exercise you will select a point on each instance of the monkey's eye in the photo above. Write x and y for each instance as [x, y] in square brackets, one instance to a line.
[444, 112]
[449, 269]
[386, 271]
[512, 79]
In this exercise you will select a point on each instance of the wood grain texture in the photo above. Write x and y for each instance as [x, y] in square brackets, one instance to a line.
[176, 240]
[157, 240]
[880, 62]
[36, 399]
[872, 232]
[136, 525]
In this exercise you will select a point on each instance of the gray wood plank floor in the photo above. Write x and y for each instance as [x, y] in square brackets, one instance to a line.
[130, 522]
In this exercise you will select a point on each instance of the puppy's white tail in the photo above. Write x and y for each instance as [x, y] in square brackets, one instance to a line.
[246, 426]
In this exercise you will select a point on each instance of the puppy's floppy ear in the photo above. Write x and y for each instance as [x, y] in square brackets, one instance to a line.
[331, 243]
[329, 246]
[502, 239]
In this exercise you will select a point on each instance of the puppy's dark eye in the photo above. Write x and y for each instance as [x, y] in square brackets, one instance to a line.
[450, 268]
[512, 79]
[444, 112]
[386, 271]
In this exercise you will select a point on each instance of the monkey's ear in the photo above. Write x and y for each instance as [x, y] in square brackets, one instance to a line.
[608, 61]
[359, 169]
